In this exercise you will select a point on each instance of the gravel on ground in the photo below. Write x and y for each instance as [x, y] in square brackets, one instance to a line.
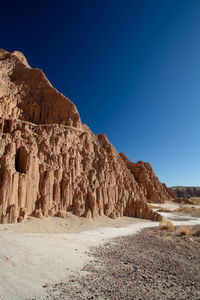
[152, 264]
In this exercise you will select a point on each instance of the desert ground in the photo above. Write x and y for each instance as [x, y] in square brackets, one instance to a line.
[148, 265]
[77, 258]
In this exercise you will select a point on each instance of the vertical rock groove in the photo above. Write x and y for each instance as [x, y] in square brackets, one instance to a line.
[51, 163]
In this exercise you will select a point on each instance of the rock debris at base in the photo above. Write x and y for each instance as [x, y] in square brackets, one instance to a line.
[142, 266]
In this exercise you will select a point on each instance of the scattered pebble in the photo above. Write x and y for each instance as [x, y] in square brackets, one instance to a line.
[148, 265]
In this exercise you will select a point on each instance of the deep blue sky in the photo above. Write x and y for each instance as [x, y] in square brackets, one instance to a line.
[131, 67]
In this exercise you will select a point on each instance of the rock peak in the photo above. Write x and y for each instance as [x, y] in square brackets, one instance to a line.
[27, 94]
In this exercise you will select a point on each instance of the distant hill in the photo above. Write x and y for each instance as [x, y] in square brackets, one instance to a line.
[186, 191]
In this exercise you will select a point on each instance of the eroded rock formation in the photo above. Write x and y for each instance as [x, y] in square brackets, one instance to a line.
[153, 189]
[51, 163]
[186, 191]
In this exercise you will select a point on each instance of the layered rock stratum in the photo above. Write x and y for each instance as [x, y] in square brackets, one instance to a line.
[51, 163]
[186, 191]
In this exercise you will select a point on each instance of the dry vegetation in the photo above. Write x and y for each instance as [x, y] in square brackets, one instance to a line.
[158, 207]
[153, 264]
[166, 224]
[151, 205]
[187, 231]
[195, 200]
[163, 209]
[193, 211]
[192, 201]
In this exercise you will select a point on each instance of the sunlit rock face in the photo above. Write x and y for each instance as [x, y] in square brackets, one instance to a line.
[51, 163]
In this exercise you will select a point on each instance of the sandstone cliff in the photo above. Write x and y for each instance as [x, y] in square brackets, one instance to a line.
[51, 163]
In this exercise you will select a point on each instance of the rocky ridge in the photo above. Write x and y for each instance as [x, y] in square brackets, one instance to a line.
[186, 191]
[51, 163]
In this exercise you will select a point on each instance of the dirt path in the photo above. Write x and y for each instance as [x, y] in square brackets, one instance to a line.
[28, 261]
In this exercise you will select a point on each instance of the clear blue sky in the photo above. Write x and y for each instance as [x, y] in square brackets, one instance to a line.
[131, 67]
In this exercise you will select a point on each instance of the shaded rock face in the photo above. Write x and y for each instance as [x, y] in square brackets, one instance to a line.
[186, 191]
[51, 163]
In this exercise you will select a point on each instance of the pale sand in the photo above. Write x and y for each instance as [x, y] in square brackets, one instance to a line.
[73, 224]
[49, 250]
[42, 251]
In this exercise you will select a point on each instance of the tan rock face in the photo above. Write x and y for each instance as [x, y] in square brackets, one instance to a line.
[153, 189]
[26, 94]
[50, 163]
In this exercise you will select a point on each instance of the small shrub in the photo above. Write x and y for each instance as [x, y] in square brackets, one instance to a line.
[184, 230]
[180, 208]
[166, 224]
[196, 212]
[196, 230]
[195, 200]
[150, 205]
[185, 208]
[190, 210]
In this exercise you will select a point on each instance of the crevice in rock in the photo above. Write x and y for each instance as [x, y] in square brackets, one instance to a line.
[21, 160]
